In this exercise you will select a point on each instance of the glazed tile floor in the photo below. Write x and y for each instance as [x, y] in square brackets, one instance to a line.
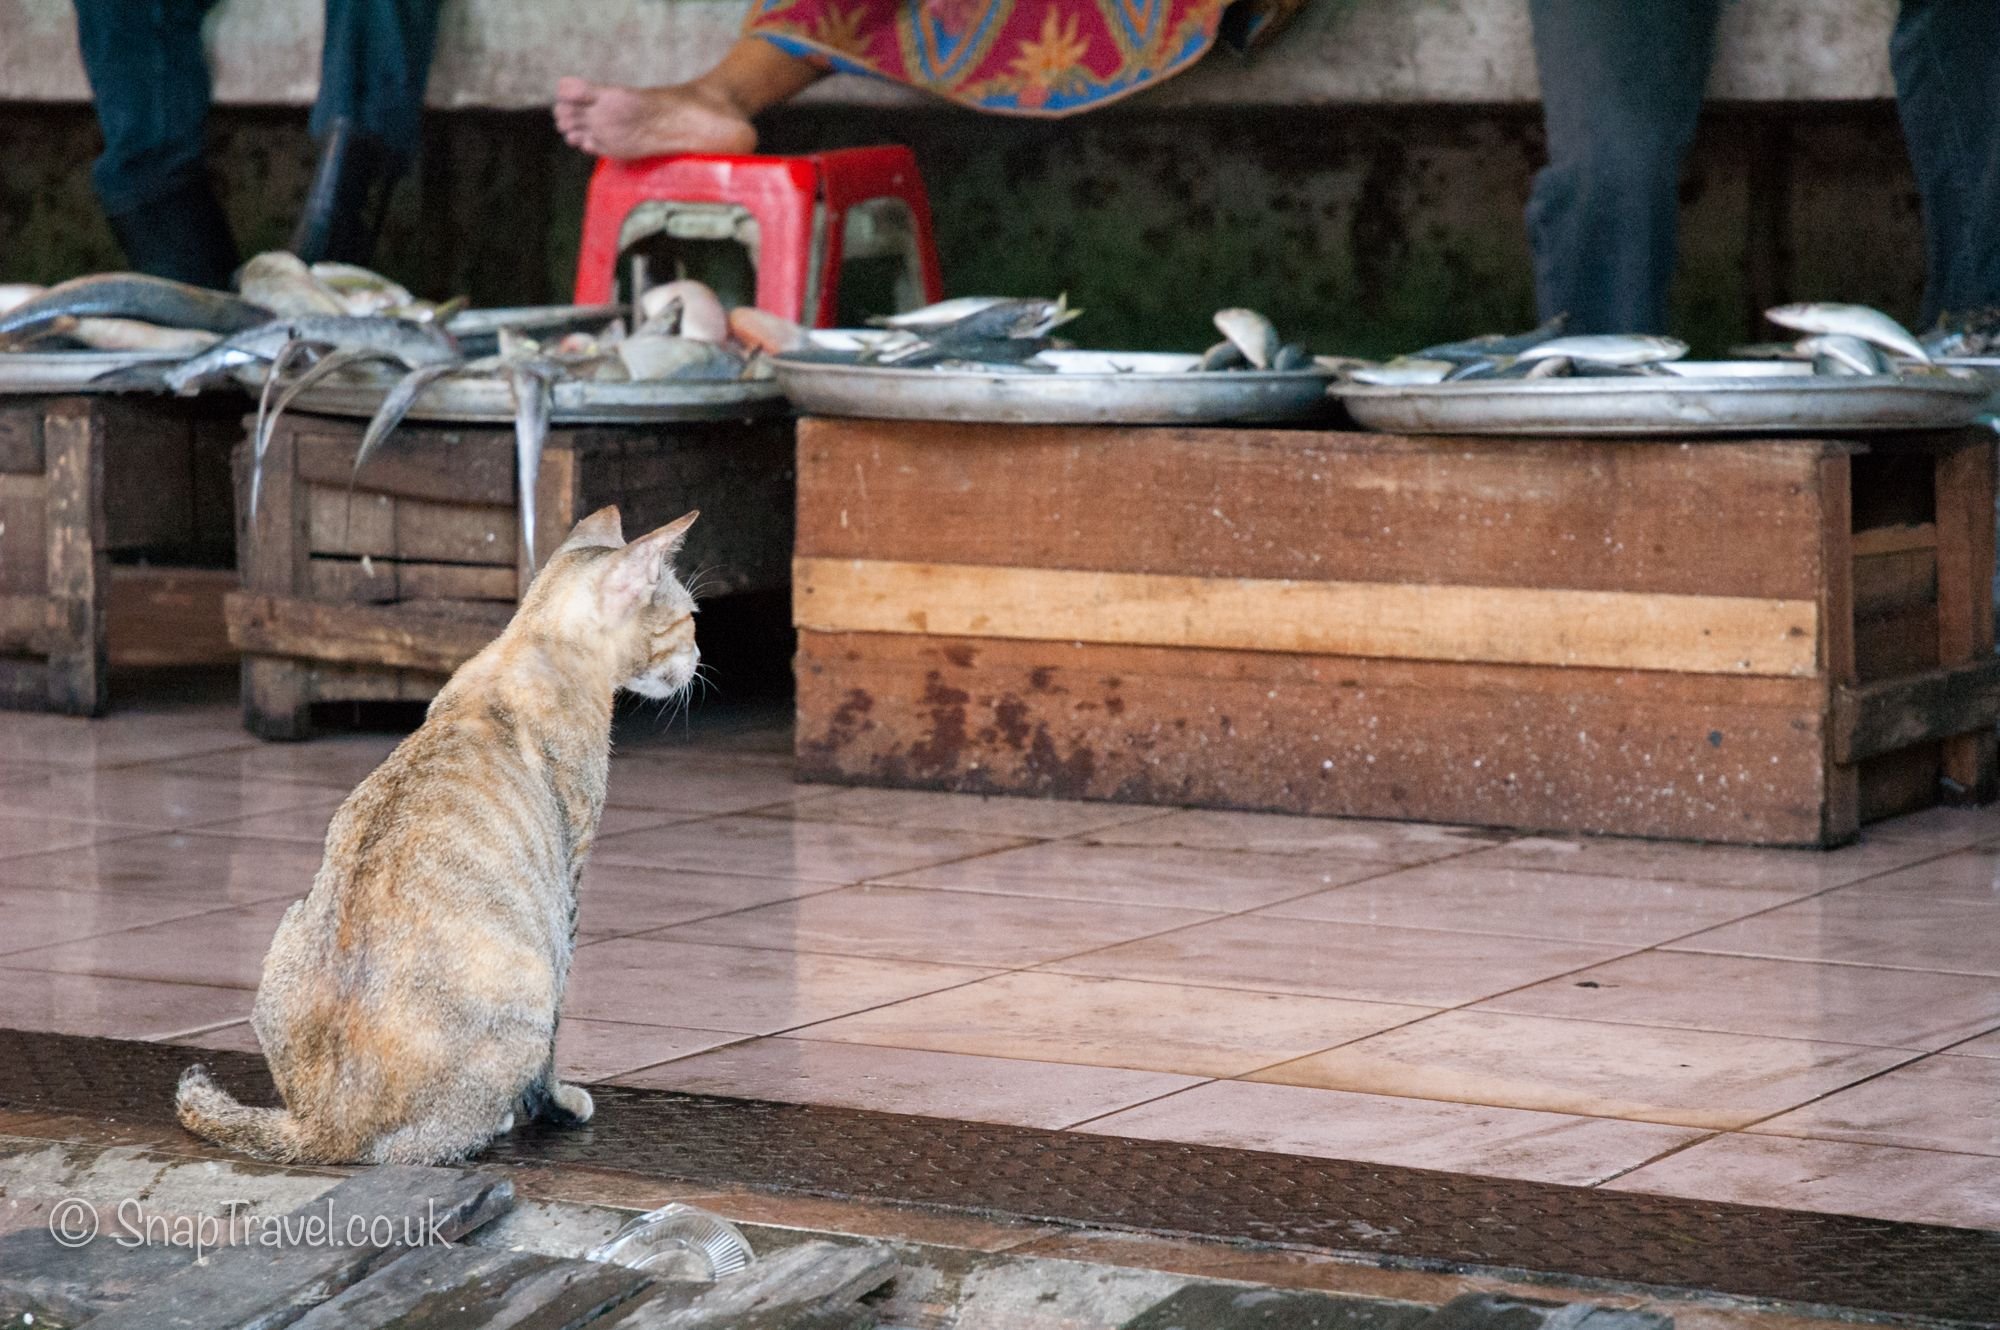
[1818, 1031]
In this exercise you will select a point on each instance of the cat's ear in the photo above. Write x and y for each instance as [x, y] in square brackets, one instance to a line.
[636, 570]
[601, 528]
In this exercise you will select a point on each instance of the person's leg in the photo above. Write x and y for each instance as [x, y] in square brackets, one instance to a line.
[708, 114]
[375, 61]
[149, 82]
[1946, 58]
[1621, 91]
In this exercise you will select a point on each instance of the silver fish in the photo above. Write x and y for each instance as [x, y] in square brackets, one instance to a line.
[534, 400]
[396, 405]
[282, 283]
[1403, 372]
[650, 356]
[940, 315]
[1851, 353]
[133, 335]
[1489, 346]
[1222, 356]
[1252, 333]
[1870, 325]
[412, 344]
[1609, 349]
[130, 295]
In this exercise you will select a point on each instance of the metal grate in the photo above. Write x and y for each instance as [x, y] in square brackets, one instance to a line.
[1371, 1212]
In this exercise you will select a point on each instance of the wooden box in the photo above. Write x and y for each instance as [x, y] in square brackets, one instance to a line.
[1763, 641]
[376, 588]
[116, 542]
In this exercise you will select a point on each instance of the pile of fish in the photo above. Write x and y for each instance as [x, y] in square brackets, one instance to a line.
[1839, 340]
[1005, 334]
[1540, 353]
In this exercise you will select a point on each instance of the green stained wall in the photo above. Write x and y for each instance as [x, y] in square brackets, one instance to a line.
[1362, 231]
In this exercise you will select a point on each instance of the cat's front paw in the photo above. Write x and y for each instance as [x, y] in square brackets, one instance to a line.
[575, 1102]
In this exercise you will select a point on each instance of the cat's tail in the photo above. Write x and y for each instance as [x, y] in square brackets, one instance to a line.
[211, 1112]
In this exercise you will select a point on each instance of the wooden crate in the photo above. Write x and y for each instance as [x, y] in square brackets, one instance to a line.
[1764, 641]
[376, 589]
[116, 542]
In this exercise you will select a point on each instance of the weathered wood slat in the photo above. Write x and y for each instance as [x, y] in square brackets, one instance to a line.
[383, 527]
[1899, 580]
[73, 444]
[56, 1283]
[812, 1286]
[1965, 506]
[1881, 717]
[443, 465]
[168, 616]
[477, 1288]
[400, 637]
[21, 440]
[1499, 625]
[1638, 753]
[1903, 538]
[1291, 504]
[24, 624]
[382, 580]
[259, 1287]
[24, 553]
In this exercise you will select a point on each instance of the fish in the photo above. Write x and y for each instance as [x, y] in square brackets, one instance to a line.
[395, 406]
[282, 283]
[993, 320]
[1608, 349]
[1403, 372]
[412, 344]
[530, 381]
[699, 314]
[764, 331]
[133, 335]
[1488, 346]
[940, 315]
[1252, 333]
[985, 352]
[650, 356]
[1853, 354]
[361, 291]
[1870, 325]
[1224, 355]
[1292, 357]
[129, 295]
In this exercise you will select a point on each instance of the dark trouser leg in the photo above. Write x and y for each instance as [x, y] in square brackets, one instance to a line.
[150, 84]
[1946, 57]
[1621, 90]
[373, 67]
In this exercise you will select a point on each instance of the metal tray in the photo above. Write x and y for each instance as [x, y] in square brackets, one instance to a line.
[1088, 387]
[1761, 402]
[484, 400]
[24, 372]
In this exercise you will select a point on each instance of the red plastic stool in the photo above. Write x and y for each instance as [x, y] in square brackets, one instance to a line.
[800, 218]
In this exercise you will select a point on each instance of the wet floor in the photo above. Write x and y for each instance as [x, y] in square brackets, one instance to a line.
[1814, 1031]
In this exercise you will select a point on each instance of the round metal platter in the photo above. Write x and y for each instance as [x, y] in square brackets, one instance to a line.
[71, 371]
[488, 401]
[1087, 388]
[1699, 399]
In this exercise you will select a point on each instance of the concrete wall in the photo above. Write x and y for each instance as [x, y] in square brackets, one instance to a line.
[508, 53]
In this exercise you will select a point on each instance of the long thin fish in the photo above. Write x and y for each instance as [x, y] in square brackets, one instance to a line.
[1491, 346]
[260, 439]
[534, 399]
[267, 420]
[131, 295]
[1870, 325]
[395, 406]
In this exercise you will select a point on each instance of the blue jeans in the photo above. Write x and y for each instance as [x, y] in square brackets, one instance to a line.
[1621, 88]
[150, 81]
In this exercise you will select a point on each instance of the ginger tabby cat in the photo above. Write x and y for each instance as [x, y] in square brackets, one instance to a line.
[409, 1003]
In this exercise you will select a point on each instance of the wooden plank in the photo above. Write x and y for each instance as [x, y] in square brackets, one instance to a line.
[1965, 516]
[1900, 782]
[24, 552]
[341, 681]
[272, 552]
[1700, 757]
[415, 635]
[813, 1284]
[1840, 809]
[555, 511]
[1899, 580]
[351, 524]
[449, 465]
[1501, 625]
[276, 697]
[255, 1285]
[148, 473]
[384, 580]
[21, 438]
[478, 1288]
[1888, 714]
[385, 527]
[56, 1284]
[1895, 643]
[1711, 519]
[72, 440]
[168, 616]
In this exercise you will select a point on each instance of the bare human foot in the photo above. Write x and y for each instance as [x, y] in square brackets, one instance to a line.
[612, 121]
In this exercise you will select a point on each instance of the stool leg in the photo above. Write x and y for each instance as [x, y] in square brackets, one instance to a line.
[277, 699]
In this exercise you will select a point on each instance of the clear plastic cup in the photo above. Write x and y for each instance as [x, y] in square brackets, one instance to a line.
[677, 1242]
